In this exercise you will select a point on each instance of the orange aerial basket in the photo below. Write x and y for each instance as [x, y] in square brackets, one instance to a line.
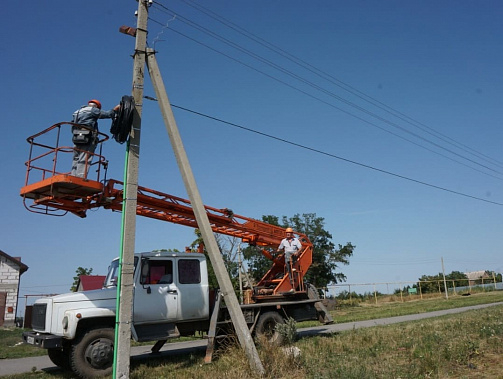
[49, 188]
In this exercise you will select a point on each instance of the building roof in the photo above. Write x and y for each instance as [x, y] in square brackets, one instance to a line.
[15, 260]
[474, 275]
[90, 282]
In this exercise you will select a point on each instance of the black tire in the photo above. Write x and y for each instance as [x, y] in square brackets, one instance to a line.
[266, 328]
[93, 354]
[60, 357]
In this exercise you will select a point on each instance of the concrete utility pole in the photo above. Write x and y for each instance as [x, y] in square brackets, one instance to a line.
[445, 282]
[124, 317]
[203, 223]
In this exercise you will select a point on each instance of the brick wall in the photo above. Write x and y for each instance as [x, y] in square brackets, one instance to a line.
[9, 282]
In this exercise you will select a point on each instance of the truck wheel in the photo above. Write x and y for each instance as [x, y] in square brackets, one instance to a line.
[60, 357]
[93, 354]
[266, 328]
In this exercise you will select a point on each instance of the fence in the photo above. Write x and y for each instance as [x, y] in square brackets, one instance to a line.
[409, 290]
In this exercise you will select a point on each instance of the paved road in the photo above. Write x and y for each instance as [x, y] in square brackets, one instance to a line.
[22, 365]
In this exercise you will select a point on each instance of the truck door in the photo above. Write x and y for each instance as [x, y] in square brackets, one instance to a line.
[156, 293]
[193, 289]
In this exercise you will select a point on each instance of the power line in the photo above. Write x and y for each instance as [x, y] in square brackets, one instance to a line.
[329, 93]
[337, 82]
[330, 104]
[333, 155]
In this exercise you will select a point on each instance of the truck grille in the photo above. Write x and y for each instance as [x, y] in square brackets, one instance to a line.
[38, 316]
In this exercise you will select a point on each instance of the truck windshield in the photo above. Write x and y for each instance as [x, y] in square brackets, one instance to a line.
[113, 272]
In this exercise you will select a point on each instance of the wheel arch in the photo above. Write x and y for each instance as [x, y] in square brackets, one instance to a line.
[88, 324]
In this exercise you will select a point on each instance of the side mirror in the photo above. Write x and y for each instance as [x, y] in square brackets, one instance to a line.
[144, 271]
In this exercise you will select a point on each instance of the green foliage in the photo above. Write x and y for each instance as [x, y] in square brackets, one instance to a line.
[498, 277]
[326, 256]
[226, 248]
[80, 271]
[288, 331]
[366, 296]
[435, 283]
[456, 279]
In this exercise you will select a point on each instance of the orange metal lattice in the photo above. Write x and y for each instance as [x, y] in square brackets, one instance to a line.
[57, 193]
[49, 188]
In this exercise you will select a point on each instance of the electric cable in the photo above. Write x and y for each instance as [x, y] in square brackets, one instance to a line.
[329, 104]
[318, 151]
[123, 120]
[307, 66]
[305, 81]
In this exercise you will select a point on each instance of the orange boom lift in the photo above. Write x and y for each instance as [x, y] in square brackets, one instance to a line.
[50, 189]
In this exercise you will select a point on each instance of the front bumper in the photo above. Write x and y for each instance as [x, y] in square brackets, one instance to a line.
[44, 341]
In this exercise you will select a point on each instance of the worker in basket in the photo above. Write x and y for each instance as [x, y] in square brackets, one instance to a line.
[292, 247]
[86, 139]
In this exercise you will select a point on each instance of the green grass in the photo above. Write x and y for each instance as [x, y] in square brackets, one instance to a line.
[467, 345]
[391, 306]
[12, 346]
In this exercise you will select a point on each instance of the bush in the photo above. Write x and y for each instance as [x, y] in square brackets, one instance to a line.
[288, 331]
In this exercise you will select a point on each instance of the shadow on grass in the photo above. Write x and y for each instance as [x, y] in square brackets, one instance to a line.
[183, 357]
[319, 332]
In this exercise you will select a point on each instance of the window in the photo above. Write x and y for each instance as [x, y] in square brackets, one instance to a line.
[157, 272]
[189, 271]
[113, 272]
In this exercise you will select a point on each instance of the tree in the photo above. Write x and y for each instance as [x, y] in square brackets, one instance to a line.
[456, 279]
[227, 247]
[435, 283]
[80, 271]
[326, 257]
[495, 275]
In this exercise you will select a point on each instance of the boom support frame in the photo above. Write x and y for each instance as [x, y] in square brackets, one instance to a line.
[55, 192]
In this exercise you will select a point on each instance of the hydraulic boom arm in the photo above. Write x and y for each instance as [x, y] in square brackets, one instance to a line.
[56, 192]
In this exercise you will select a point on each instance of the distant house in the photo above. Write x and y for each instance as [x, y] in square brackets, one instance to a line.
[90, 282]
[475, 277]
[11, 270]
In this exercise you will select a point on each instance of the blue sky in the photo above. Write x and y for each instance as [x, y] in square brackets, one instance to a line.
[438, 64]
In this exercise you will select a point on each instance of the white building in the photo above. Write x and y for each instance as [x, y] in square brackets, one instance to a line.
[11, 270]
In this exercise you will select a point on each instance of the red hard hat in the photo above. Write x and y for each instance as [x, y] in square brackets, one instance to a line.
[97, 102]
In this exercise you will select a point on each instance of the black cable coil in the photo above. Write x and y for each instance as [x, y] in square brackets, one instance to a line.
[123, 120]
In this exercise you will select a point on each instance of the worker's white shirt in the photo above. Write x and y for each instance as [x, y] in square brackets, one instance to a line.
[291, 246]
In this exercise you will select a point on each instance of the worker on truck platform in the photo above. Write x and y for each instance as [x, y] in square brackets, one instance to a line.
[291, 246]
[85, 140]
